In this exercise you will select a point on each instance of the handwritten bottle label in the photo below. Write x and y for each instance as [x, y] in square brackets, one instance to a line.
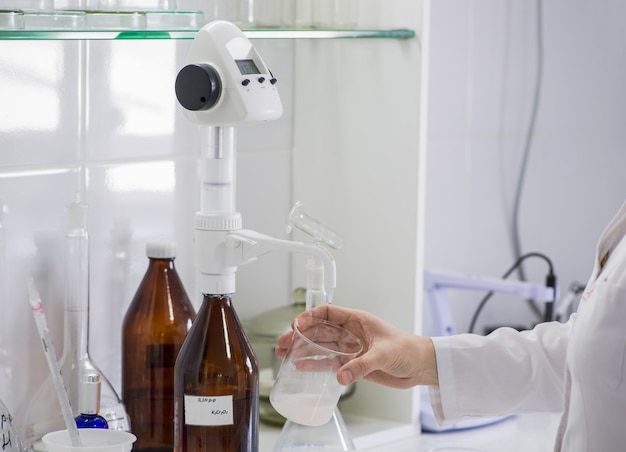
[207, 410]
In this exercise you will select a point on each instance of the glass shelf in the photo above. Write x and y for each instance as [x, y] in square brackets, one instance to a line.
[99, 25]
[33, 35]
[400, 33]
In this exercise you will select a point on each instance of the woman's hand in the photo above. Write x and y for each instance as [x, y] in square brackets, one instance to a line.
[390, 357]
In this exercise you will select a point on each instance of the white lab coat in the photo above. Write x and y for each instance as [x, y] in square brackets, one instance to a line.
[577, 368]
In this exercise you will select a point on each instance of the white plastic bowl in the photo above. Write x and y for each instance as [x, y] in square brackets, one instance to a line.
[91, 439]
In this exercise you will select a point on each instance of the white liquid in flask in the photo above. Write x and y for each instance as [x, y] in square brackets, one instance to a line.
[311, 410]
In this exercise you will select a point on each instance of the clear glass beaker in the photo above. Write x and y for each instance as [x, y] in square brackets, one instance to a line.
[306, 389]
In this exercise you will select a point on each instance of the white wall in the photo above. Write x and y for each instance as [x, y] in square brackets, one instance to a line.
[356, 166]
[482, 72]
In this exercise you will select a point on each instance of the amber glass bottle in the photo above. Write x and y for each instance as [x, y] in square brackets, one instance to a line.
[154, 329]
[216, 384]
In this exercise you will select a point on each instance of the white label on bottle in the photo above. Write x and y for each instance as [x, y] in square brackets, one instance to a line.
[206, 410]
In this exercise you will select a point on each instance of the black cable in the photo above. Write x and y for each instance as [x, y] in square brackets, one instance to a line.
[550, 282]
[515, 233]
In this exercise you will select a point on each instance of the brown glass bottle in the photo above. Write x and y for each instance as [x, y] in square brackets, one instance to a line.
[216, 384]
[153, 331]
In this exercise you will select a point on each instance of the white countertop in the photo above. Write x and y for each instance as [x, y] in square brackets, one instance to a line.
[522, 433]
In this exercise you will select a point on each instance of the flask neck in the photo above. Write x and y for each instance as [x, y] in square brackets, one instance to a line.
[76, 336]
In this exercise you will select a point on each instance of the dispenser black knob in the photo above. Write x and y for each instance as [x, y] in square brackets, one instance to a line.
[198, 87]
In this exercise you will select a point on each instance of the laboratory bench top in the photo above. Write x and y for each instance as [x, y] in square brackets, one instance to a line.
[531, 432]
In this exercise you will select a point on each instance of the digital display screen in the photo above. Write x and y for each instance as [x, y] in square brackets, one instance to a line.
[247, 67]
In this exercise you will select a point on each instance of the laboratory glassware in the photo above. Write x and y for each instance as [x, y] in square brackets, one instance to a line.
[216, 383]
[117, 293]
[296, 13]
[320, 233]
[235, 11]
[154, 329]
[334, 435]
[89, 403]
[263, 331]
[335, 14]
[330, 437]
[43, 414]
[306, 389]
[10, 434]
[114, 5]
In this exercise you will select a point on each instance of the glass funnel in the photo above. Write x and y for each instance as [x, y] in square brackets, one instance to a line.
[44, 414]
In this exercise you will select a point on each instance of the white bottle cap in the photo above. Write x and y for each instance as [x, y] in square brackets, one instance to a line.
[161, 249]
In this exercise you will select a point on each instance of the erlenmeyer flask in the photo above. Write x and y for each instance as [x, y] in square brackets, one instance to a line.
[332, 436]
[44, 413]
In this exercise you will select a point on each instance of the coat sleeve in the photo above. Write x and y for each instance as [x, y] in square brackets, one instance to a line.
[506, 372]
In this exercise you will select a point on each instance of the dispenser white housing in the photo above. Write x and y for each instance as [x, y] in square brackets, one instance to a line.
[226, 83]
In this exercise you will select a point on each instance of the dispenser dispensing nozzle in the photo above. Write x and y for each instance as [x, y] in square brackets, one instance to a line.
[317, 291]
[321, 233]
